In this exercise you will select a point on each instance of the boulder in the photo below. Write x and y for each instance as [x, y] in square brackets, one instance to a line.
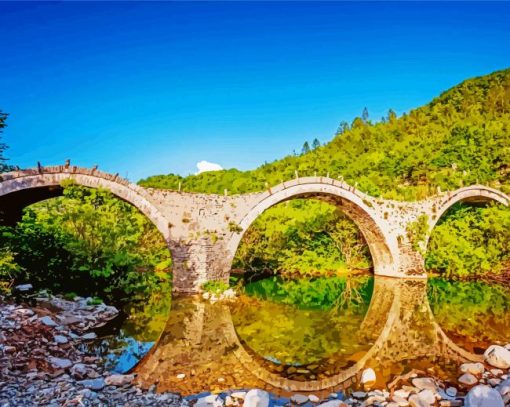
[256, 398]
[497, 356]
[483, 396]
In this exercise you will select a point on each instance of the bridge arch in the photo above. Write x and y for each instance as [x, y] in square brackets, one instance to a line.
[470, 194]
[382, 244]
[19, 189]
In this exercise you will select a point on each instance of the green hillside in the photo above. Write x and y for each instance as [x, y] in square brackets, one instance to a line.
[459, 138]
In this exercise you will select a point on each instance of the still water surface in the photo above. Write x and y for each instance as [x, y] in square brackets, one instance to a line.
[309, 335]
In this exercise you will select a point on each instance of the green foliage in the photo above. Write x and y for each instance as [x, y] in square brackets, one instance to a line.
[323, 293]
[474, 310]
[302, 237]
[470, 241]
[215, 287]
[3, 161]
[417, 232]
[88, 242]
[306, 321]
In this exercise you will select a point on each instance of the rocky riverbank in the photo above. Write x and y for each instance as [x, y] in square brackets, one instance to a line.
[43, 363]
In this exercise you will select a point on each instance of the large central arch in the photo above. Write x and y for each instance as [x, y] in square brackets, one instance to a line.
[383, 245]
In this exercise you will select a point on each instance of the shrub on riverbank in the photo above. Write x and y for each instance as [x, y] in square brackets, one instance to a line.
[470, 241]
[88, 242]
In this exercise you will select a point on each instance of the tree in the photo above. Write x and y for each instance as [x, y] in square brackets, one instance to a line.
[306, 148]
[364, 115]
[316, 143]
[3, 161]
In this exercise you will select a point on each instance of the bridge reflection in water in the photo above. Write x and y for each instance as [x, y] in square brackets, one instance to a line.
[200, 341]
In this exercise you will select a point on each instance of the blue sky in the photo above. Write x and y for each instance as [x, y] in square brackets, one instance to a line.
[151, 88]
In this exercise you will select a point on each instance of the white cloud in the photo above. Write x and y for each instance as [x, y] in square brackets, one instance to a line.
[204, 166]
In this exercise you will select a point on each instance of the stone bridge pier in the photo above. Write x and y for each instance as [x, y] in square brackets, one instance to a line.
[203, 231]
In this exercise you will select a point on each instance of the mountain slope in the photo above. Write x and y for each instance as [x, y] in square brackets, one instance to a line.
[459, 138]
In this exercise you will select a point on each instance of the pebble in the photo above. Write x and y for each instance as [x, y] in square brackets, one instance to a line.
[48, 321]
[60, 363]
[119, 379]
[474, 368]
[468, 379]
[60, 339]
[451, 391]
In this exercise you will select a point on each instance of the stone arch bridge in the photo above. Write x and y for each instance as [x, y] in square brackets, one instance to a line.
[203, 231]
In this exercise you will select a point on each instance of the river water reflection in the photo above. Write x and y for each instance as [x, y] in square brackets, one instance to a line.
[319, 335]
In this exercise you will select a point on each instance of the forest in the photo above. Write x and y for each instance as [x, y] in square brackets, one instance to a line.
[88, 239]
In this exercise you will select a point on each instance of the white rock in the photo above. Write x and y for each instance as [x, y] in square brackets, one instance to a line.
[368, 377]
[497, 356]
[474, 368]
[256, 398]
[451, 391]
[359, 394]
[313, 398]
[181, 376]
[47, 321]
[299, 398]
[483, 396]
[60, 363]
[119, 379]
[468, 379]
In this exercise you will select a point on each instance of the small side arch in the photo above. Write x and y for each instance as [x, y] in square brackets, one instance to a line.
[19, 189]
[471, 194]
